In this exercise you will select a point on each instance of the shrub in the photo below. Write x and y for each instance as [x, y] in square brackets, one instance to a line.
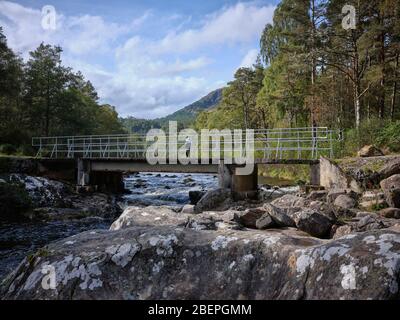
[14, 200]
[389, 136]
[8, 149]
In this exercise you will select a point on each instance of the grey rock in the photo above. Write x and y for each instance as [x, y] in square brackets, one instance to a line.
[345, 202]
[280, 216]
[189, 208]
[317, 195]
[167, 262]
[195, 196]
[249, 217]
[391, 168]
[391, 189]
[313, 222]
[212, 199]
[390, 213]
[265, 222]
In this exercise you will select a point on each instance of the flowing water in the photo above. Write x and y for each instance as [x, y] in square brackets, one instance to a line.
[18, 240]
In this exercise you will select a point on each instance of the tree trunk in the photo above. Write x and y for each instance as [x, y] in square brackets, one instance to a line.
[394, 94]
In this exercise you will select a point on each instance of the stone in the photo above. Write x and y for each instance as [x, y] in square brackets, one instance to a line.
[212, 199]
[265, 222]
[391, 189]
[279, 216]
[369, 151]
[342, 231]
[318, 195]
[188, 208]
[391, 168]
[313, 222]
[393, 213]
[345, 202]
[195, 196]
[336, 192]
[249, 217]
[167, 262]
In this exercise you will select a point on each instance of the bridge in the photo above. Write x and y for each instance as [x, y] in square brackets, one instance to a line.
[101, 159]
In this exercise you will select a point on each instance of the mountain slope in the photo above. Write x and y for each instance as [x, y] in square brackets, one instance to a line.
[184, 116]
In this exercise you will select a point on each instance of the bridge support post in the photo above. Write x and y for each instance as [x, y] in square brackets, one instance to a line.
[242, 186]
[315, 174]
[83, 172]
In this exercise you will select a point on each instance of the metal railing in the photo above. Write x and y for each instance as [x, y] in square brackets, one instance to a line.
[282, 143]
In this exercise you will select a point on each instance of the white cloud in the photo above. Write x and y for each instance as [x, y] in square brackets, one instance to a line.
[141, 76]
[250, 58]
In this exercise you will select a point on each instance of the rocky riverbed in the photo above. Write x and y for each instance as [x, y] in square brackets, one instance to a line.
[325, 244]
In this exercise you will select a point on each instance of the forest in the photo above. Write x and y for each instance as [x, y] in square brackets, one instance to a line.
[313, 72]
[41, 97]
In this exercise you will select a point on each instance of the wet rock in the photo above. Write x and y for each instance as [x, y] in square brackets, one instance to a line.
[265, 222]
[195, 196]
[212, 199]
[391, 189]
[167, 262]
[369, 151]
[188, 180]
[390, 213]
[43, 192]
[249, 217]
[345, 202]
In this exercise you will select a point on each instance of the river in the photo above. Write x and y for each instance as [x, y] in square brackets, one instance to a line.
[18, 240]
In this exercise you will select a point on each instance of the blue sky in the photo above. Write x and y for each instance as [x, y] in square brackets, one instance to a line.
[147, 58]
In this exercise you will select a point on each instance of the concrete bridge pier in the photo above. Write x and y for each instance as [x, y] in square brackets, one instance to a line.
[315, 174]
[104, 181]
[242, 186]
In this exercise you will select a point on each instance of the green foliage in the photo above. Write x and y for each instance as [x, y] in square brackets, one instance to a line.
[389, 136]
[42, 97]
[7, 149]
[14, 201]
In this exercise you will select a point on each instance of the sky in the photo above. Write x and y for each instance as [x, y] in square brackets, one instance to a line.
[147, 58]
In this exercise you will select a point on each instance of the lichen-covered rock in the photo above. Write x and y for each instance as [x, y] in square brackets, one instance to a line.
[168, 262]
[212, 199]
[391, 188]
[42, 191]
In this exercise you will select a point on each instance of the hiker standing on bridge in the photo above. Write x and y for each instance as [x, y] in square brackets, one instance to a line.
[188, 144]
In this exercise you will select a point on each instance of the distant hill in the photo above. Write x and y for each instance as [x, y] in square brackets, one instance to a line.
[184, 116]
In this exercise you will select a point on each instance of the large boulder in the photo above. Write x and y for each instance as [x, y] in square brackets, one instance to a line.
[391, 189]
[336, 192]
[265, 222]
[369, 151]
[167, 262]
[212, 199]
